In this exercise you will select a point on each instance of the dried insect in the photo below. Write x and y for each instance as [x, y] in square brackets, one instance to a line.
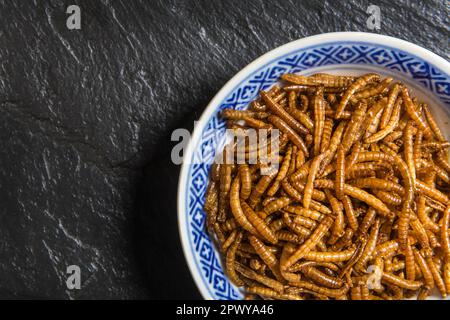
[400, 282]
[432, 123]
[369, 248]
[321, 290]
[319, 119]
[313, 169]
[246, 187]
[281, 173]
[438, 280]
[353, 128]
[408, 149]
[412, 111]
[327, 80]
[356, 85]
[338, 225]
[445, 225]
[392, 124]
[268, 257]
[231, 256]
[374, 90]
[393, 94]
[340, 172]
[236, 209]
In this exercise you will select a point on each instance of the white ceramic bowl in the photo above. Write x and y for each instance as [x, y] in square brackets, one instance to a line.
[336, 53]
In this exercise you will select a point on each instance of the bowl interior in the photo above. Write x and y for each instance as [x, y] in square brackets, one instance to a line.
[428, 82]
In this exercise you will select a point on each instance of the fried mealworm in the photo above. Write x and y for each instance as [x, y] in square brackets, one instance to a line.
[392, 97]
[412, 111]
[337, 230]
[350, 213]
[369, 248]
[356, 85]
[318, 79]
[231, 256]
[432, 123]
[393, 122]
[313, 169]
[236, 209]
[319, 119]
[246, 182]
[353, 127]
[340, 172]
[445, 225]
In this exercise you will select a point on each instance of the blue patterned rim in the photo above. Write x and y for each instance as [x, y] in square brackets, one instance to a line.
[386, 54]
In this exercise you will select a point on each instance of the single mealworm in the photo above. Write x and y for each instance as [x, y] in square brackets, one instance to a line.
[438, 280]
[432, 123]
[230, 259]
[445, 225]
[424, 268]
[211, 204]
[376, 183]
[340, 172]
[350, 213]
[361, 195]
[337, 230]
[430, 192]
[236, 209]
[330, 256]
[326, 135]
[408, 150]
[412, 111]
[225, 183]
[393, 94]
[313, 169]
[246, 182]
[353, 128]
[410, 266]
[281, 173]
[327, 80]
[369, 248]
[334, 143]
[319, 119]
[356, 85]
[402, 283]
[269, 293]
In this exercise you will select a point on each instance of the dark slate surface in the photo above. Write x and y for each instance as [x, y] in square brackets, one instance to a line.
[86, 118]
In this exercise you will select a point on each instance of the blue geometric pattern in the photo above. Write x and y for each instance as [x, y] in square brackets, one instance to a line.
[212, 139]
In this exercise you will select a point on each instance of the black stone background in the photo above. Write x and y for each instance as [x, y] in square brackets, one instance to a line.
[86, 117]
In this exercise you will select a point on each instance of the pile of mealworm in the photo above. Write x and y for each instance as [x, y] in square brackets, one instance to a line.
[358, 206]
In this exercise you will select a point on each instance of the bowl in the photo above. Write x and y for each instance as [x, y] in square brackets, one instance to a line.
[337, 53]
